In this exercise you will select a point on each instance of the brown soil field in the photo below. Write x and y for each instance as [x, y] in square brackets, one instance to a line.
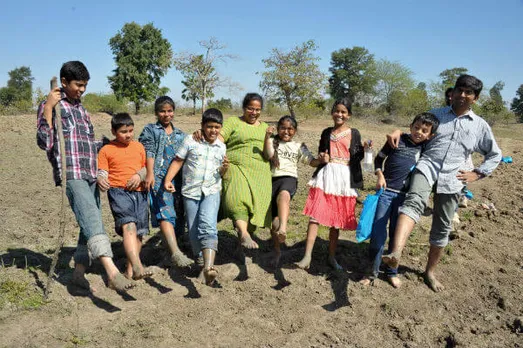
[254, 306]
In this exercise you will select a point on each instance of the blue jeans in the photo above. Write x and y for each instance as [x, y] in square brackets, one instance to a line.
[202, 217]
[388, 205]
[84, 199]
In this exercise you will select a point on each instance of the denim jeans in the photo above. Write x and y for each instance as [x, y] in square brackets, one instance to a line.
[388, 205]
[202, 217]
[84, 199]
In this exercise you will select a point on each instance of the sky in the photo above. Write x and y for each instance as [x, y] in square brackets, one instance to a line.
[426, 36]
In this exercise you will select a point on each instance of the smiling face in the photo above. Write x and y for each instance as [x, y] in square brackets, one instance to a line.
[73, 89]
[340, 115]
[419, 132]
[286, 131]
[211, 130]
[165, 114]
[252, 112]
[463, 98]
[124, 134]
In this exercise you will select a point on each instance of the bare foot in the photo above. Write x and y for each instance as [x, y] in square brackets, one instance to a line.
[395, 282]
[80, 281]
[433, 283]
[275, 259]
[210, 275]
[305, 263]
[392, 260]
[180, 260]
[142, 272]
[248, 243]
[120, 283]
[281, 235]
[334, 264]
[366, 281]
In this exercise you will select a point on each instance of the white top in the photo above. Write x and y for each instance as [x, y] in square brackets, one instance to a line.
[289, 154]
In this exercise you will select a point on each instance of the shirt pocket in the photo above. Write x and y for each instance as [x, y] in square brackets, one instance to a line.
[68, 123]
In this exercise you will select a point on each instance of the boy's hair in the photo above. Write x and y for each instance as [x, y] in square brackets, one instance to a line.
[427, 118]
[212, 115]
[250, 97]
[121, 119]
[161, 101]
[291, 119]
[74, 70]
[345, 102]
[471, 82]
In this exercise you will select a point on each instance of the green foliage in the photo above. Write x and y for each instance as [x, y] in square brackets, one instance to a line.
[353, 73]
[394, 80]
[221, 104]
[19, 294]
[293, 78]
[108, 103]
[517, 104]
[199, 71]
[415, 101]
[142, 58]
[449, 77]
[18, 94]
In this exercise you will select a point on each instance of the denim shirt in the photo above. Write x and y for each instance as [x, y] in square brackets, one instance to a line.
[154, 139]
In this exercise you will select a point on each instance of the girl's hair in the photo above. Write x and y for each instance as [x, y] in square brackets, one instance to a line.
[345, 102]
[275, 161]
[161, 101]
[250, 97]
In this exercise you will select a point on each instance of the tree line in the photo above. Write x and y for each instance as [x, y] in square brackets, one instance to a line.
[292, 79]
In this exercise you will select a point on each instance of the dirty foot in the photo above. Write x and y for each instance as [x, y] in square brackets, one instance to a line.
[180, 260]
[210, 275]
[305, 263]
[120, 283]
[392, 260]
[142, 272]
[281, 235]
[395, 282]
[80, 281]
[366, 281]
[334, 264]
[248, 243]
[433, 283]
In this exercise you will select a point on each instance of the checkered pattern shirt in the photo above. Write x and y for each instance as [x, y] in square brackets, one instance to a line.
[80, 147]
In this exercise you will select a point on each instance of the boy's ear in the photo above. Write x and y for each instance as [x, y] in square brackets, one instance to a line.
[63, 81]
[113, 131]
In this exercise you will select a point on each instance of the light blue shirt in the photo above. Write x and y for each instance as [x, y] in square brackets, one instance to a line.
[201, 170]
[457, 138]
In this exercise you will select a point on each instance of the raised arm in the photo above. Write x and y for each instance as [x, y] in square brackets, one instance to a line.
[268, 144]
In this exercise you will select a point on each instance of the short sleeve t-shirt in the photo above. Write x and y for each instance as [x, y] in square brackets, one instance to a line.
[121, 161]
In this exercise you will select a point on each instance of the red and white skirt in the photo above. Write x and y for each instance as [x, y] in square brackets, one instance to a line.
[332, 201]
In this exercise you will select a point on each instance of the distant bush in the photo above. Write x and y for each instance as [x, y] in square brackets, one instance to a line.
[99, 102]
[221, 104]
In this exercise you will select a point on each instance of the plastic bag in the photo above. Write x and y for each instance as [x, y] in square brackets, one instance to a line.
[364, 229]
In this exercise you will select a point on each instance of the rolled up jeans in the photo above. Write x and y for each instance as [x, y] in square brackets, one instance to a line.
[202, 217]
[93, 242]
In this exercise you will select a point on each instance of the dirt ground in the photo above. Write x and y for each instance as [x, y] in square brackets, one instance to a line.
[253, 305]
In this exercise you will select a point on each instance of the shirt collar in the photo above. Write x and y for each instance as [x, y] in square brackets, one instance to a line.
[70, 101]
[469, 114]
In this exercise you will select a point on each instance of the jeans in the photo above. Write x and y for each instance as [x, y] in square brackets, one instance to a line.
[387, 209]
[202, 217]
[84, 199]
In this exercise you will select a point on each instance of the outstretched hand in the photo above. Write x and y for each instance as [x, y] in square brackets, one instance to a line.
[467, 177]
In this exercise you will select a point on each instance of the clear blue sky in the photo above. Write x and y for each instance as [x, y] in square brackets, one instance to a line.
[484, 36]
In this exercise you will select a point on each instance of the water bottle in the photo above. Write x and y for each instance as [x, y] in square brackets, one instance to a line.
[368, 159]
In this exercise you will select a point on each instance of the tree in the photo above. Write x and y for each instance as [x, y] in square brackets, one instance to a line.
[142, 58]
[293, 78]
[449, 76]
[393, 79]
[352, 73]
[190, 93]
[199, 70]
[19, 88]
[221, 104]
[495, 93]
[517, 103]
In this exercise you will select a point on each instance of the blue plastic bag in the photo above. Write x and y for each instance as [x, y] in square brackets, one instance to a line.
[364, 229]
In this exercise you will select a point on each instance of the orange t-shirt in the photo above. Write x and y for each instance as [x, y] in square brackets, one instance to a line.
[121, 161]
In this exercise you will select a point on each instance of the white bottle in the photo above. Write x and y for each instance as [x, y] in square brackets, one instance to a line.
[368, 160]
